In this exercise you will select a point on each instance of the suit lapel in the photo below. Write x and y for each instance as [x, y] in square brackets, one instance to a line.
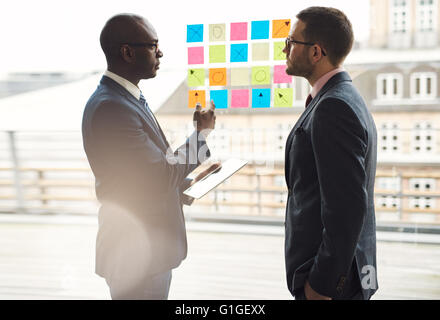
[159, 136]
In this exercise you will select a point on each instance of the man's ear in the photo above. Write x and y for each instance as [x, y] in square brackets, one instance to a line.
[317, 53]
[127, 53]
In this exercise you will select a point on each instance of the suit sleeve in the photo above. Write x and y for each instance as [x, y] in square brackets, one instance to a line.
[124, 142]
[339, 143]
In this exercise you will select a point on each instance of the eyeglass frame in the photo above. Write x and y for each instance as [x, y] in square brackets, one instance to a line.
[144, 44]
[288, 41]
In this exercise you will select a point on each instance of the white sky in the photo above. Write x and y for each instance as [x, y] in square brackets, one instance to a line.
[49, 35]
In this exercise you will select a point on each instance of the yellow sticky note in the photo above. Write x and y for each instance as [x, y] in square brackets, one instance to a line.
[260, 75]
[217, 32]
[196, 96]
[217, 54]
[283, 97]
[239, 77]
[260, 51]
[196, 77]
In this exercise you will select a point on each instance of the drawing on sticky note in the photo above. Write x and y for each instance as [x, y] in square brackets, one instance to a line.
[217, 32]
[261, 75]
[217, 77]
[260, 98]
[283, 97]
[196, 77]
[278, 53]
[194, 33]
[196, 96]
[239, 52]
[280, 28]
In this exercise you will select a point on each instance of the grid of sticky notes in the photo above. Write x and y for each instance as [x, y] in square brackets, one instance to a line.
[239, 64]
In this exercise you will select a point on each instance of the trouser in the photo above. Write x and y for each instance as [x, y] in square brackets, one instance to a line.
[154, 287]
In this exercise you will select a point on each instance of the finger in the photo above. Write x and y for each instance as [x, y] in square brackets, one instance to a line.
[198, 106]
[212, 105]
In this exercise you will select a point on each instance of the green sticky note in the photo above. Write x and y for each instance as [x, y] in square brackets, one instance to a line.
[239, 77]
[260, 51]
[196, 77]
[217, 54]
[278, 53]
[283, 97]
[260, 75]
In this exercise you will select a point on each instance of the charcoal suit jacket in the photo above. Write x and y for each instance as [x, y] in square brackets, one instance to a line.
[330, 167]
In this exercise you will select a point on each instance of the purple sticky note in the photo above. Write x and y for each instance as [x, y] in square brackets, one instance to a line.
[195, 55]
[239, 31]
[240, 98]
[280, 75]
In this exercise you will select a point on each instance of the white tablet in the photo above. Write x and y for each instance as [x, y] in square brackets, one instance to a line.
[212, 180]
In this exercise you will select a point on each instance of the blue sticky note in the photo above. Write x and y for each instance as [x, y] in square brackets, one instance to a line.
[260, 98]
[239, 52]
[194, 33]
[220, 98]
[260, 30]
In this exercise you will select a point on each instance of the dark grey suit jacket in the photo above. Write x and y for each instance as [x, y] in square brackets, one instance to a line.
[139, 183]
[330, 169]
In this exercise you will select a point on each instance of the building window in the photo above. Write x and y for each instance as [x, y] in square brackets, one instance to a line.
[389, 86]
[400, 20]
[422, 185]
[423, 138]
[426, 15]
[424, 85]
[388, 185]
[389, 138]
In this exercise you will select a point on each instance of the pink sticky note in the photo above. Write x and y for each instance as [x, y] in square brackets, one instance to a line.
[240, 98]
[280, 75]
[195, 55]
[239, 31]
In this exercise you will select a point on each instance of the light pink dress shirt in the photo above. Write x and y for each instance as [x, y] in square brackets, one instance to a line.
[323, 80]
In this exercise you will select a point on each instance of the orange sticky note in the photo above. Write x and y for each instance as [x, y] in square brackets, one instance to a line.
[196, 96]
[280, 28]
[217, 77]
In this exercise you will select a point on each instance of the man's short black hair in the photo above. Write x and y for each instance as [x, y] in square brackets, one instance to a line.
[329, 28]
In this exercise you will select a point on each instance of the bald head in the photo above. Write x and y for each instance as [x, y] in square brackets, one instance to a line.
[120, 29]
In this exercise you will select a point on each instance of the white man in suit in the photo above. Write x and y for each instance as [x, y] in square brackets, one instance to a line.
[330, 167]
[139, 181]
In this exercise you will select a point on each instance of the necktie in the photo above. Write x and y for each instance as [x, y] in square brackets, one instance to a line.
[309, 99]
[147, 108]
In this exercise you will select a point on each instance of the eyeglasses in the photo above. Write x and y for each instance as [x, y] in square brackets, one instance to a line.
[289, 41]
[155, 45]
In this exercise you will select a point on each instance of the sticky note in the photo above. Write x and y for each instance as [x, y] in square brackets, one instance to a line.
[220, 98]
[217, 77]
[196, 55]
[260, 75]
[240, 98]
[280, 28]
[217, 32]
[239, 31]
[283, 97]
[278, 53]
[196, 77]
[217, 54]
[195, 96]
[239, 76]
[260, 98]
[260, 51]
[194, 33]
[280, 75]
[239, 52]
[260, 30]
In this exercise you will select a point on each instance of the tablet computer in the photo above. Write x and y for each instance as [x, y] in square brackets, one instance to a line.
[212, 180]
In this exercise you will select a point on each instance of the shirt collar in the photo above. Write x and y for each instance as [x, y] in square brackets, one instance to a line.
[127, 85]
[323, 80]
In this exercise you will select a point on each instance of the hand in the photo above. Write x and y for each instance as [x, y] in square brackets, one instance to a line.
[312, 294]
[205, 172]
[204, 120]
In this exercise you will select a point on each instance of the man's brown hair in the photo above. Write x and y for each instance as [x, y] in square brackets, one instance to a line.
[329, 28]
